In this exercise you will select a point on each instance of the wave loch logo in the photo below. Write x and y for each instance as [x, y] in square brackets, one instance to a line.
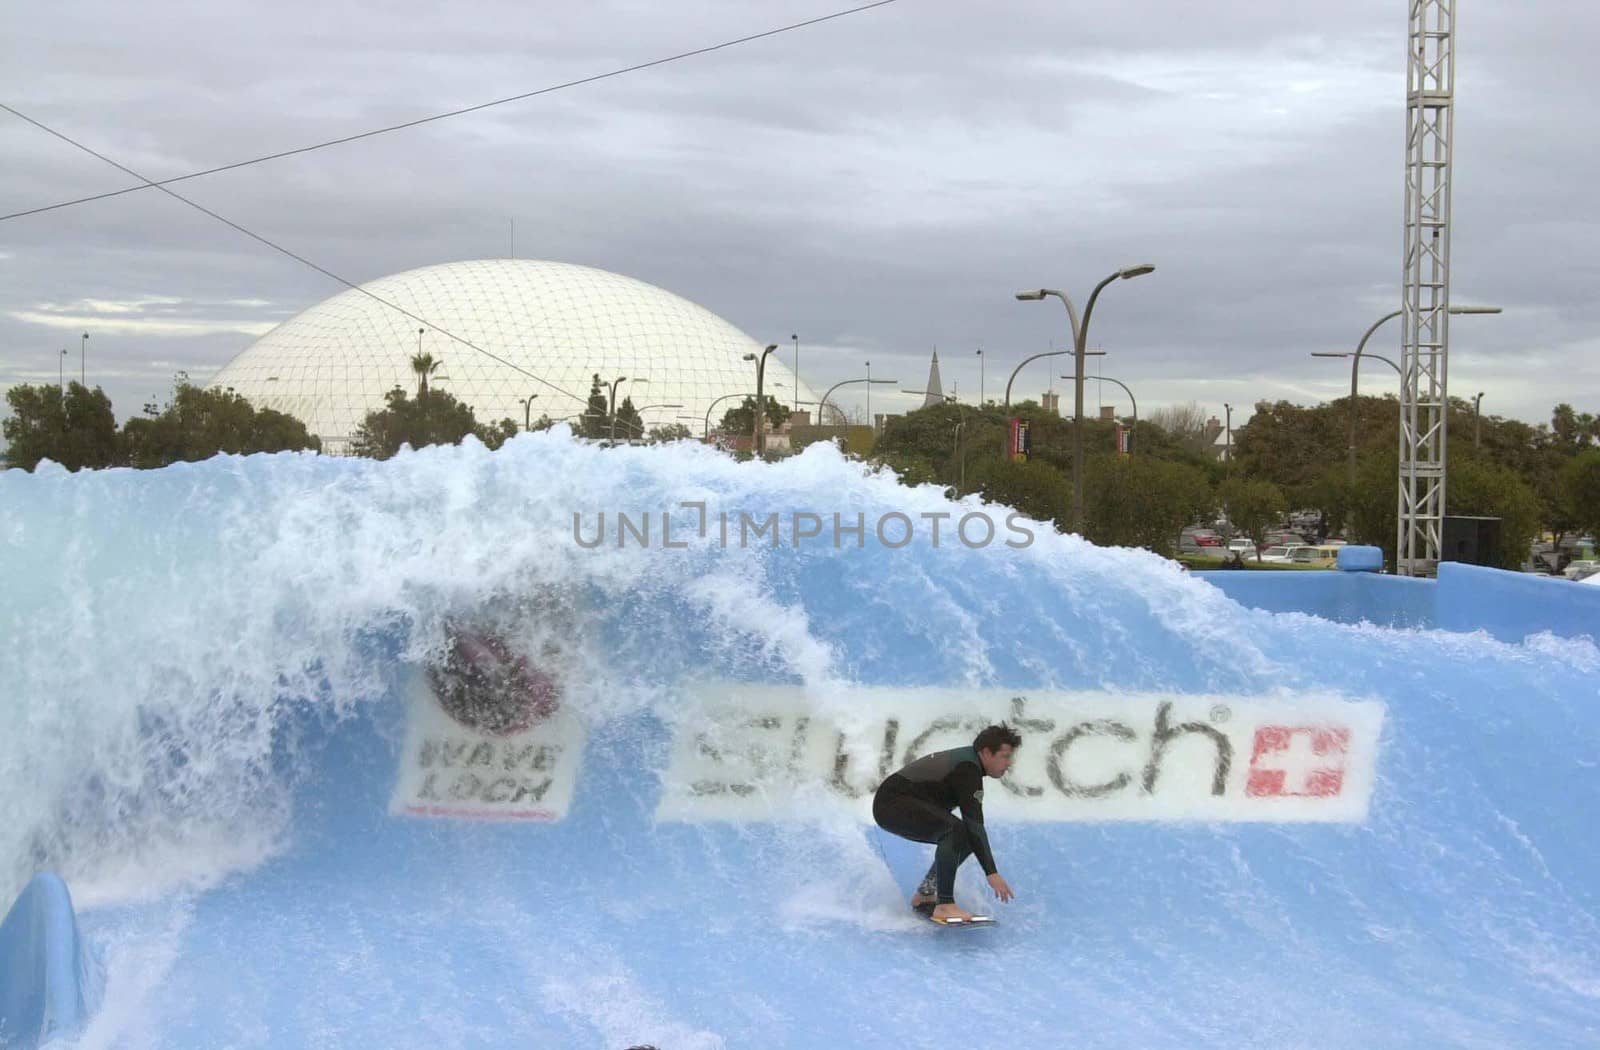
[487, 737]
[758, 752]
[485, 686]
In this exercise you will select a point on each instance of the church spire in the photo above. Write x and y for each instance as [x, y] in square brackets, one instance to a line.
[935, 392]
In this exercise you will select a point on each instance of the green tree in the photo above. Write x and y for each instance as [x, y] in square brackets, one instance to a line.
[942, 443]
[596, 421]
[1373, 504]
[1288, 444]
[198, 423]
[1532, 453]
[493, 435]
[628, 424]
[1573, 430]
[670, 432]
[1580, 487]
[1138, 501]
[424, 366]
[1329, 494]
[742, 420]
[1153, 441]
[1298, 448]
[1252, 507]
[930, 434]
[911, 468]
[1034, 488]
[1476, 488]
[433, 417]
[1184, 426]
[75, 428]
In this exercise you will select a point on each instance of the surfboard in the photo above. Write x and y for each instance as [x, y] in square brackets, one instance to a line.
[926, 911]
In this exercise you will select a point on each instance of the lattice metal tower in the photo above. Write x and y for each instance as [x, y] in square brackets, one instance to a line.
[1424, 351]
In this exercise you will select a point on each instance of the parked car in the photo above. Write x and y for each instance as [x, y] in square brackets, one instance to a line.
[1243, 546]
[1581, 570]
[1284, 552]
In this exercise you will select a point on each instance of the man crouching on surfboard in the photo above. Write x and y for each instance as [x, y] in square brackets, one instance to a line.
[916, 802]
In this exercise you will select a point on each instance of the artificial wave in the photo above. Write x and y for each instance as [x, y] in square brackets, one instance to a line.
[564, 746]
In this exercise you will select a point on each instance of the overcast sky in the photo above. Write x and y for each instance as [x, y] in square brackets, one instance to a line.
[880, 184]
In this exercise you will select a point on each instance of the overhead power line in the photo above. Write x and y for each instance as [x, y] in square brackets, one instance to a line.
[285, 251]
[148, 184]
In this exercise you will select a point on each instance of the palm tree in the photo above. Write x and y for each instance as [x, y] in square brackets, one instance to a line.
[424, 365]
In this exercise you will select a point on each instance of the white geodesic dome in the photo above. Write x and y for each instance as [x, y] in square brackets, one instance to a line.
[551, 326]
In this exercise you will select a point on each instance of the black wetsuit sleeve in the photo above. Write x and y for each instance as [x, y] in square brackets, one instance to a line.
[968, 783]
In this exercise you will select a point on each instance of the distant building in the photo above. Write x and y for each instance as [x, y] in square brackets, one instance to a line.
[542, 328]
[1221, 439]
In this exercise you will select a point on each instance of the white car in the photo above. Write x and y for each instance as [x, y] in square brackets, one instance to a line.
[1283, 552]
[1581, 570]
[1243, 547]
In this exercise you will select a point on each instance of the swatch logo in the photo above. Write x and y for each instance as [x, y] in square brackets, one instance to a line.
[763, 752]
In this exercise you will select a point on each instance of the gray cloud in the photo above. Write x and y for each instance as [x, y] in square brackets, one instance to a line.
[880, 184]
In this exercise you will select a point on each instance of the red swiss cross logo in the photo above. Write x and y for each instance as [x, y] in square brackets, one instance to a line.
[1298, 761]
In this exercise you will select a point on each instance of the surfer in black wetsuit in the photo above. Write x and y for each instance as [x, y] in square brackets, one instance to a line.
[916, 802]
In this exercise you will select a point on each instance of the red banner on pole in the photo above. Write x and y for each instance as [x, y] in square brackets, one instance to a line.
[1017, 446]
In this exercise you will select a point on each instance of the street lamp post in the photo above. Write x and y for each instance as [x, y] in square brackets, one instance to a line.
[706, 429]
[1355, 371]
[1048, 353]
[1029, 360]
[645, 408]
[1346, 353]
[870, 423]
[1080, 333]
[613, 410]
[961, 461]
[83, 357]
[1133, 439]
[796, 340]
[527, 412]
[1477, 429]
[61, 372]
[759, 431]
[822, 404]
[1227, 442]
[980, 379]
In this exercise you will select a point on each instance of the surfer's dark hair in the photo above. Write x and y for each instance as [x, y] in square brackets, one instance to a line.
[993, 737]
